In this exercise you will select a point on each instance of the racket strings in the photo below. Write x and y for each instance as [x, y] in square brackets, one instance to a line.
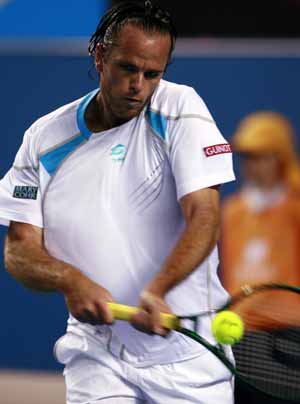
[268, 356]
[257, 361]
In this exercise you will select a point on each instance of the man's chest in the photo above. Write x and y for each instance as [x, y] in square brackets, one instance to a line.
[112, 173]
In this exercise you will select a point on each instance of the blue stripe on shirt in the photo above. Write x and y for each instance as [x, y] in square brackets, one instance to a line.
[54, 158]
[158, 123]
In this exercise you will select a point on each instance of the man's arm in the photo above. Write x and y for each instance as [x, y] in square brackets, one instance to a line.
[27, 260]
[201, 214]
[201, 210]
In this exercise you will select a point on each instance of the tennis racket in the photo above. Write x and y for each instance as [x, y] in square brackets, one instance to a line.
[267, 359]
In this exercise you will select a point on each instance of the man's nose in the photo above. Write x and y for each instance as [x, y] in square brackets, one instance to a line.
[136, 82]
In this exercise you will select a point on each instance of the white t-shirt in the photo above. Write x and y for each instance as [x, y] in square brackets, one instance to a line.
[108, 202]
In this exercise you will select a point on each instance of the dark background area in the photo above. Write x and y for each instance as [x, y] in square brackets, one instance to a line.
[235, 18]
[33, 84]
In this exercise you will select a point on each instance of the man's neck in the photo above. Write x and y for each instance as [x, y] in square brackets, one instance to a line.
[94, 117]
[98, 117]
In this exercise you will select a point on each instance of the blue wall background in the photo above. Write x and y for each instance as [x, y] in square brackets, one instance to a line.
[49, 18]
[34, 85]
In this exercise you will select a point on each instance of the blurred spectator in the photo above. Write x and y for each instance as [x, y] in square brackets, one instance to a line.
[261, 222]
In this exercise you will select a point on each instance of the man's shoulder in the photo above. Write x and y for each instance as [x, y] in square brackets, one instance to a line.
[174, 88]
[174, 100]
[55, 127]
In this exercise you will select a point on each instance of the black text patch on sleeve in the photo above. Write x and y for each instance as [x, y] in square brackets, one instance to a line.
[25, 192]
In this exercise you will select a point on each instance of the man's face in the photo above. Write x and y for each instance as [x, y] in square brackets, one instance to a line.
[131, 70]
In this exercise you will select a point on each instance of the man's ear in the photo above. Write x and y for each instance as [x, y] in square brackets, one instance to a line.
[99, 57]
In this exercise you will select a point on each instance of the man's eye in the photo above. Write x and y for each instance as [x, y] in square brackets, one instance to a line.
[128, 68]
[151, 75]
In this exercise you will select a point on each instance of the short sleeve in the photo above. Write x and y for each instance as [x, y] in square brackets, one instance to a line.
[20, 196]
[200, 157]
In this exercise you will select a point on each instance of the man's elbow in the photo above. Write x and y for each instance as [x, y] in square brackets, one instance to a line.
[11, 252]
[209, 217]
[206, 223]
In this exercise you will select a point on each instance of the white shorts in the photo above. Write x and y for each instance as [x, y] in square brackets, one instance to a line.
[94, 375]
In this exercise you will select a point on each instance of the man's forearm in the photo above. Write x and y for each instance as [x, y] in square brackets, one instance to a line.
[194, 245]
[35, 268]
[28, 261]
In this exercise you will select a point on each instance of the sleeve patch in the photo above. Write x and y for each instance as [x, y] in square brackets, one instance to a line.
[25, 192]
[217, 149]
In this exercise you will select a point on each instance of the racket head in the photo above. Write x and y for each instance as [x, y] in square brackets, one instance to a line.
[268, 356]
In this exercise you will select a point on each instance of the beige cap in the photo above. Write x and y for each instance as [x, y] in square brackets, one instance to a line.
[269, 132]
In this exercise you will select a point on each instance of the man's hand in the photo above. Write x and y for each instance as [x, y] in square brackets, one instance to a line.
[87, 301]
[148, 318]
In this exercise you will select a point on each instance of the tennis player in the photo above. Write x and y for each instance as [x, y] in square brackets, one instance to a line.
[115, 197]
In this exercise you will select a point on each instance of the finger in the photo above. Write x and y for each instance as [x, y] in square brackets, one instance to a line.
[105, 314]
[140, 321]
[154, 319]
[89, 317]
[85, 316]
[153, 307]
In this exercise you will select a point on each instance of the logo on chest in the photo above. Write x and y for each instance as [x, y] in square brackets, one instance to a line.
[118, 152]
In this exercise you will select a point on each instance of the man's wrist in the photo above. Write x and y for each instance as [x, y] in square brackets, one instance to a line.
[68, 280]
[157, 289]
[150, 297]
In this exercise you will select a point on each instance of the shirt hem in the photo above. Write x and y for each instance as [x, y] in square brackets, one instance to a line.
[196, 185]
[6, 216]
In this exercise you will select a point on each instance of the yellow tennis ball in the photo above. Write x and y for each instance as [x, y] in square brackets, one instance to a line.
[227, 327]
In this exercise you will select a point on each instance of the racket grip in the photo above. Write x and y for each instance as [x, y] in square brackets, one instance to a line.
[123, 312]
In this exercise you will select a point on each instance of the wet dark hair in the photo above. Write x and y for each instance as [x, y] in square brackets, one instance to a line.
[147, 15]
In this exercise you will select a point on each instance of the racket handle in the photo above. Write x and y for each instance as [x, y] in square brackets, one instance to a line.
[122, 312]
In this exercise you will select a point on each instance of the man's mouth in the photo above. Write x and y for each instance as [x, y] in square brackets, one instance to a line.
[133, 103]
[133, 100]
